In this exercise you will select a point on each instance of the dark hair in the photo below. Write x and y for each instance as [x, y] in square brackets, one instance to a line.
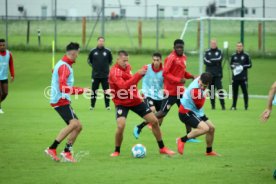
[178, 41]
[2, 40]
[72, 46]
[122, 52]
[157, 54]
[100, 38]
[206, 78]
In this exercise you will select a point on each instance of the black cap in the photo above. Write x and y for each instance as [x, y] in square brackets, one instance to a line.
[72, 46]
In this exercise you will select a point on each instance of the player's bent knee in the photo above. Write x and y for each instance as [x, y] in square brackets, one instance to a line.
[74, 123]
[160, 114]
[203, 127]
[211, 129]
[79, 127]
[154, 122]
[151, 118]
[120, 125]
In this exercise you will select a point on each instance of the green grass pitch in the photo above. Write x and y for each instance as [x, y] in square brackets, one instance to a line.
[29, 125]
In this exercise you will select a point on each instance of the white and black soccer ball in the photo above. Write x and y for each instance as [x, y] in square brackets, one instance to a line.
[139, 151]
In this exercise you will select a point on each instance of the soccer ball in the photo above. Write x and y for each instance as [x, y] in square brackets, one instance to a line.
[138, 151]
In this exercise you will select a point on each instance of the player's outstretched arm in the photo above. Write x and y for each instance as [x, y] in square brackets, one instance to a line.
[122, 84]
[266, 114]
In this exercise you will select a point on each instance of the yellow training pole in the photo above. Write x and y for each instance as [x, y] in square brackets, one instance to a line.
[53, 54]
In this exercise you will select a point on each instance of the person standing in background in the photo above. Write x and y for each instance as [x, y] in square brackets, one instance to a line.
[100, 59]
[213, 61]
[240, 62]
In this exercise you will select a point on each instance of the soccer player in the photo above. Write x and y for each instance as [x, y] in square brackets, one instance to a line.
[152, 86]
[175, 75]
[100, 58]
[123, 87]
[271, 101]
[62, 88]
[6, 63]
[191, 113]
[213, 60]
[240, 63]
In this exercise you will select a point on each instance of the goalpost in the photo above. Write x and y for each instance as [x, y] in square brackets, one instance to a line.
[224, 20]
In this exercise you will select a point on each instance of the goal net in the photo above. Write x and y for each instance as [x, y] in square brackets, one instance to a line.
[259, 35]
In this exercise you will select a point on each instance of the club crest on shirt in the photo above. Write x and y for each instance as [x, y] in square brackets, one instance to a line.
[168, 107]
[104, 53]
[209, 53]
[235, 58]
[96, 53]
[216, 53]
[242, 58]
[151, 102]
[120, 111]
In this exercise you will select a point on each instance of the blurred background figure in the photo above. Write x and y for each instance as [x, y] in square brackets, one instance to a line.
[213, 60]
[100, 58]
[240, 62]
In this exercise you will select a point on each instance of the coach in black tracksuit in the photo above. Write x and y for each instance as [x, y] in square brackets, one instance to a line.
[100, 59]
[240, 62]
[213, 61]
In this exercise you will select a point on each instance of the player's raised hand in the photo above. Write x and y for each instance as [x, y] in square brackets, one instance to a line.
[183, 80]
[142, 71]
[195, 76]
[265, 115]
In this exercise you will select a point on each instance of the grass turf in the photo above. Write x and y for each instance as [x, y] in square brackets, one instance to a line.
[29, 125]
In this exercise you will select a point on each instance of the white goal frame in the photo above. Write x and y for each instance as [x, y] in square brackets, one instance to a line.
[201, 37]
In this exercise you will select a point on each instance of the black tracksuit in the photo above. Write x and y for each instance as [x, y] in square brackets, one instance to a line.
[213, 61]
[100, 59]
[241, 79]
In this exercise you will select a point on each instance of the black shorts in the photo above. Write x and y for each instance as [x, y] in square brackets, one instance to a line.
[67, 113]
[142, 109]
[167, 103]
[153, 103]
[191, 119]
[6, 81]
